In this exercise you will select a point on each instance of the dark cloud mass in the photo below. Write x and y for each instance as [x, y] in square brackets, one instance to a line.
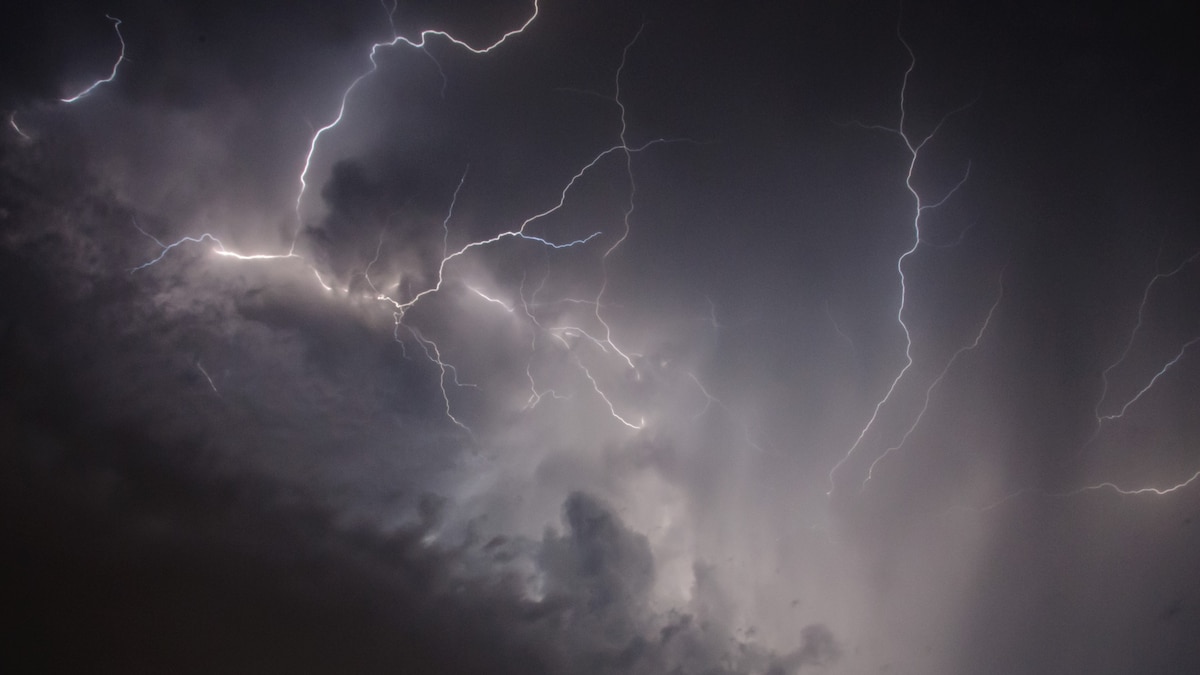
[657, 339]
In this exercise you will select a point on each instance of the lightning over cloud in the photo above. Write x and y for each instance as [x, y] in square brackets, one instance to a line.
[623, 152]
[571, 337]
[396, 39]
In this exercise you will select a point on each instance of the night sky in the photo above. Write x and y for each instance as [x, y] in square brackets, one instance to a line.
[600, 337]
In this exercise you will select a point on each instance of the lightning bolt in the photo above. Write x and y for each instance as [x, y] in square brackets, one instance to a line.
[535, 396]
[629, 207]
[1104, 376]
[933, 385]
[921, 206]
[111, 76]
[520, 232]
[395, 40]
[605, 342]
[710, 401]
[12, 122]
[218, 249]
[448, 374]
[1101, 418]
[1107, 485]
[1154, 379]
[1130, 491]
[495, 301]
[612, 409]
[436, 357]
[207, 378]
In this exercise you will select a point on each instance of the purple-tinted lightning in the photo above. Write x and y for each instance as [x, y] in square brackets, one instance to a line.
[112, 75]
[920, 207]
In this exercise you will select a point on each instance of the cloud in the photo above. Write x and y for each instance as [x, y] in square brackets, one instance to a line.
[136, 563]
[227, 448]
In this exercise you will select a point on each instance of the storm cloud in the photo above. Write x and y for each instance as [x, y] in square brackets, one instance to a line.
[654, 340]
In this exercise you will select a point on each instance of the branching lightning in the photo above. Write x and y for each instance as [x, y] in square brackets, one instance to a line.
[630, 205]
[435, 356]
[578, 332]
[1153, 379]
[395, 40]
[111, 76]
[1133, 334]
[1102, 418]
[587, 337]
[1129, 491]
[933, 385]
[602, 340]
[914, 148]
[218, 249]
[605, 342]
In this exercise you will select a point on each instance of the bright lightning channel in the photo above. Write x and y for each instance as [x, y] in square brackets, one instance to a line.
[605, 343]
[396, 39]
[448, 373]
[496, 301]
[218, 249]
[111, 76]
[914, 154]
[933, 385]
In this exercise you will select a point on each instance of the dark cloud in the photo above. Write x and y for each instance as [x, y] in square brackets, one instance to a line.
[119, 561]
